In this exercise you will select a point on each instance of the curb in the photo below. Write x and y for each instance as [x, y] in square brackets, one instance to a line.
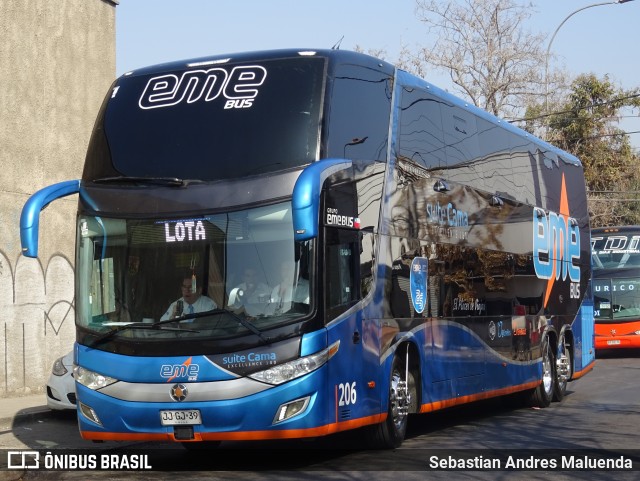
[36, 411]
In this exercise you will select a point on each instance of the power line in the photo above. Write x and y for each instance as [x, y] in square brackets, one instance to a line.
[622, 132]
[593, 105]
[614, 191]
[594, 199]
[617, 134]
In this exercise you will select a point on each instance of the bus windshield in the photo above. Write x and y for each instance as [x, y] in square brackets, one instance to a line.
[211, 122]
[205, 276]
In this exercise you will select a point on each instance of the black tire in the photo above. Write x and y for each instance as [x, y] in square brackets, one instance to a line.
[390, 433]
[543, 394]
[563, 372]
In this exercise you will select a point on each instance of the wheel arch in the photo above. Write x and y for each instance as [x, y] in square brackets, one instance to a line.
[569, 337]
[551, 334]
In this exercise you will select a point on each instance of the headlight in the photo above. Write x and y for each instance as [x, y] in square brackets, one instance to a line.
[90, 379]
[296, 368]
[58, 368]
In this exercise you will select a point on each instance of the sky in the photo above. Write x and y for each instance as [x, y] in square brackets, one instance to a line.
[600, 39]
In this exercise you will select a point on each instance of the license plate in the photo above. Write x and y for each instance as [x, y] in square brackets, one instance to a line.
[172, 418]
[614, 342]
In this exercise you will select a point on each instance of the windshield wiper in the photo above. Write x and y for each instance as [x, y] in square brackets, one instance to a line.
[214, 312]
[171, 181]
[135, 325]
[156, 325]
[245, 322]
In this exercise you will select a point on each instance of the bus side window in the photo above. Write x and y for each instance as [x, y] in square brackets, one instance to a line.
[367, 261]
[342, 281]
[421, 139]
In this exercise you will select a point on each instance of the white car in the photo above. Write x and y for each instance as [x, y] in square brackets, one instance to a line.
[61, 387]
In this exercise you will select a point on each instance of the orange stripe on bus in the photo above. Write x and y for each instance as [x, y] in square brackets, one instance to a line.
[579, 374]
[437, 405]
[336, 402]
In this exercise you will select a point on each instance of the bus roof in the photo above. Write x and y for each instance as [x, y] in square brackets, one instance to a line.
[347, 56]
[332, 55]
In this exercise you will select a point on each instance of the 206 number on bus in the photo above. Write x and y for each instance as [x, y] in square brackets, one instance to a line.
[347, 394]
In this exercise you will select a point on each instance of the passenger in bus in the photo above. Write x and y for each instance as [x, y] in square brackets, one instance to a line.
[250, 293]
[192, 300]
[292, 289]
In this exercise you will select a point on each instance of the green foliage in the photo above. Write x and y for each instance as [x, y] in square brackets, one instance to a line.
[586, 124]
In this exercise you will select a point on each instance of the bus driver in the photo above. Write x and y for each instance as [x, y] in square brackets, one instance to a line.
[192, 300]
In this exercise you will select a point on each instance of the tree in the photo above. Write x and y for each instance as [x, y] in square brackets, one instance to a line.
[586, 124]
[483, 46]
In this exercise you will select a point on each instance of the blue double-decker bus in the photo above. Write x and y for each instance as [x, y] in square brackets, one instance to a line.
[294, 243]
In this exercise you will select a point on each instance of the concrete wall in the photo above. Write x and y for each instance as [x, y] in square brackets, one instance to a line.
[57, 60]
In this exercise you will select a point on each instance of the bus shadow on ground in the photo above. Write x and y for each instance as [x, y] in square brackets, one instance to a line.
[617, 353]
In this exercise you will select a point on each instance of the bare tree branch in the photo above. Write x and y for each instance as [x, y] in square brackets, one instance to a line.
[484, 48]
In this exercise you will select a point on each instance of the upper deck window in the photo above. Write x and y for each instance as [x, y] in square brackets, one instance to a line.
[212, 122]
[358, 125]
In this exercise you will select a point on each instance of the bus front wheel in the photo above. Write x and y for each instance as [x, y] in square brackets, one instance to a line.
[402, 400]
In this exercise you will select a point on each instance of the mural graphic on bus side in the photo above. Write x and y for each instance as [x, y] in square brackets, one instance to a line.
[418, 281]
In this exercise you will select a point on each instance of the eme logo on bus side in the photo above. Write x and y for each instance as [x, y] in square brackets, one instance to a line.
[238, 87]
[556, 238]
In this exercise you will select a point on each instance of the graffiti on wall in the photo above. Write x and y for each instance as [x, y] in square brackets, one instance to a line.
[36, 320]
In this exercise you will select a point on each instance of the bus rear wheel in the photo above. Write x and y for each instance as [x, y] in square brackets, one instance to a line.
[564, 367]
[543, 394]
[402, 400]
